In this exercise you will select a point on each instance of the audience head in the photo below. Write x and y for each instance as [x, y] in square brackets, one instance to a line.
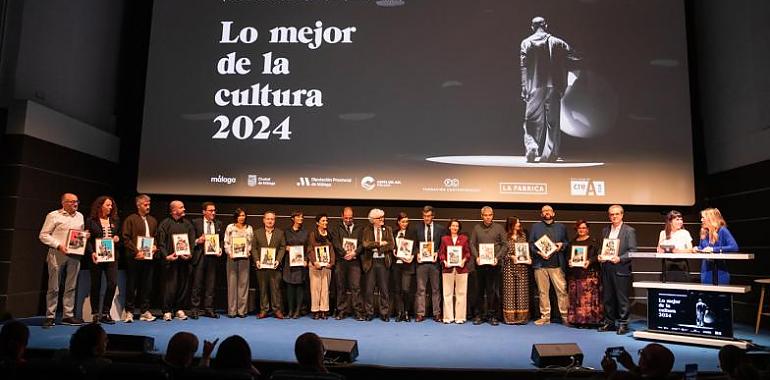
[13, 340]
[89, 341]
[181, 349]
[233, 353]
[655, 361]
[310, 352]
[730, 357]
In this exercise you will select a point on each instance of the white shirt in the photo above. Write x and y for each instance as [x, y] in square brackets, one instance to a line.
[615, 231]
[680, 239]
[57, 225]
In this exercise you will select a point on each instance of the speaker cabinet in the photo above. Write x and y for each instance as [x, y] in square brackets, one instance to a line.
[556, 354]
[340, 350]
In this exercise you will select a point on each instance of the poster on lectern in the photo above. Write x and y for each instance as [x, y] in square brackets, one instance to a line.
[558, 101]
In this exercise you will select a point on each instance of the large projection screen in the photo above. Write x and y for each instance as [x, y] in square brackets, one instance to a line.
[419, 100]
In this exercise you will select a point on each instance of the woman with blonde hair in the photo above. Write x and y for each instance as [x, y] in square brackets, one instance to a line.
[715, 238]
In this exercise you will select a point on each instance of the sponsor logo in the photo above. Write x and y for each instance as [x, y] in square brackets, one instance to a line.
[368, 183]
[322, 181]
[224, 180]
[586, 187]
[255, 180]
[450, 185]
[523, 188]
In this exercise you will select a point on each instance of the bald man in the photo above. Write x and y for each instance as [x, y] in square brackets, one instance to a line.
[54, 234]
[176, 269]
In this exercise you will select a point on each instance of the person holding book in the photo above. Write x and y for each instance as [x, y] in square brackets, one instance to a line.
[103, 223]
[239, 237]
[454, 272]
[321, 258]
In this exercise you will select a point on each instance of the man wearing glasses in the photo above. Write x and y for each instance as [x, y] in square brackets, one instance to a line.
[206, 255]
[55, 234]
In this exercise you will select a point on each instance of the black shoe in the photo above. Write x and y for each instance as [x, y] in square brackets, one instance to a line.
[106, 319]
[606, 327]
[48, 323]
[385, 318]
[360, 318]
[317, 315]
[194, 314]
[622, 330]
[72, 321]
[231, 316]
[406, 318]
[493, 321]
[340, 316]
[211, 314]
[477, 321]
[368, 318]
[241, 315]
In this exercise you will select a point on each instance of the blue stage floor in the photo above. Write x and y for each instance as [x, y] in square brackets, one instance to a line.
[411, 345]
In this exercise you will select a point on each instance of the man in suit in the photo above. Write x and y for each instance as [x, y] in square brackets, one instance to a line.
[616, 273]
[347, 270]
[378, 247]
[269, 276]
[205, 260]
[428, 271]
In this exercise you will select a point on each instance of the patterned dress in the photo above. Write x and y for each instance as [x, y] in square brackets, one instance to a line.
[515, 292]
[585, 289]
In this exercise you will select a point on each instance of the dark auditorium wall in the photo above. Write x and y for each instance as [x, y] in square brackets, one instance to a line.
[34, 172]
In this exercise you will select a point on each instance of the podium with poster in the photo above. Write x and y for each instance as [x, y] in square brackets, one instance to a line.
[691, 313]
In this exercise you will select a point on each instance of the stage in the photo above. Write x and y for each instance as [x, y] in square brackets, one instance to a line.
[402, 345]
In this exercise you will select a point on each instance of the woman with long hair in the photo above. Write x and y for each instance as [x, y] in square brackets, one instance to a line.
[515, 291]
[715, 238]
[675, 239]
[584, 285]
[237, 268]
[320, 275]
[103, 223]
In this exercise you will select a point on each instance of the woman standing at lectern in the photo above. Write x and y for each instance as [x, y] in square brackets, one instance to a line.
[675, 239]
[715, 238]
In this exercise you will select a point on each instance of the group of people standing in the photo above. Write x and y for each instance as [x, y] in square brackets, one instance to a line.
[350, 259]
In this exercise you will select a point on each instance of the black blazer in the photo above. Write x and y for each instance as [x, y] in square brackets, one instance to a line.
[199, 230]
[627, 238]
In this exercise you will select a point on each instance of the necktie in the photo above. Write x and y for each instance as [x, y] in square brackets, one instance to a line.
[377, 234]
[430, 234]
[211, 227]
[350, 230]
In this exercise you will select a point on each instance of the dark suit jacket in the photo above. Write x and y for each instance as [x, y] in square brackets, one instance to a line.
[198, 250]
[386, 234]
[278, 241]
[627, 238]
[340, 232]
[438, 231]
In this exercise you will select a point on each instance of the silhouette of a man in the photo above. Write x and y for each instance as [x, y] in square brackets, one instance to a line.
[544, 60]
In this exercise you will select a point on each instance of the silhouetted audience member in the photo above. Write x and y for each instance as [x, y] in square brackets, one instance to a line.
[181, 350]
[13, 344]
[655, 363]
[309, 350]
[735, 364]
[235, 354]
[87, 348]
